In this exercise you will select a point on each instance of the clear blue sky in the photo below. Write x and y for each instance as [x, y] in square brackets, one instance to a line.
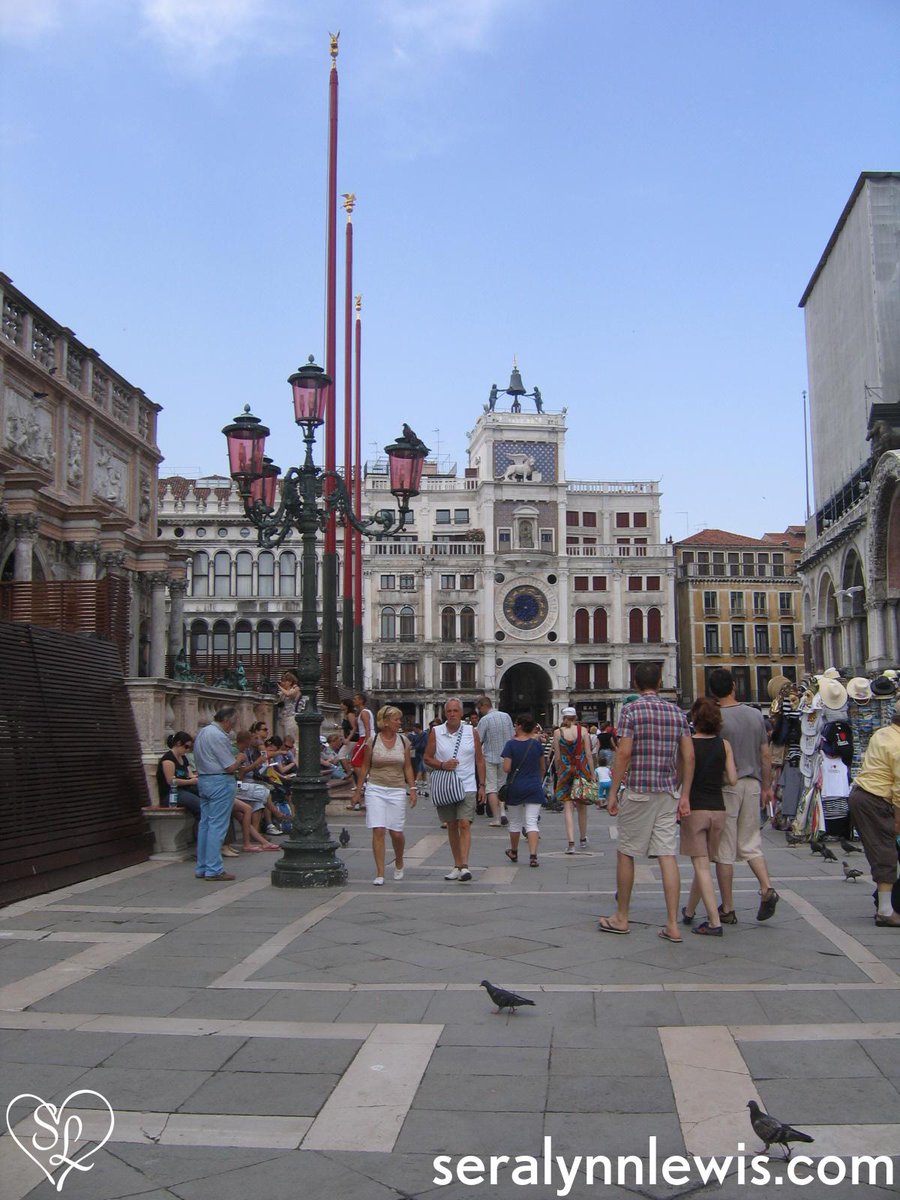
[629, 195]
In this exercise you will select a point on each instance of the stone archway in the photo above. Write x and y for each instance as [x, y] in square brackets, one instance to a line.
[526, 687]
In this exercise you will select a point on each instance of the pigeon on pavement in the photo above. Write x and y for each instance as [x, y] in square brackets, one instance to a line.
[793, 840]
[772, 1132]
[851, 873]
[815, 846]
[344, 837]
[504, 999]
[828, 854]
[848, 847]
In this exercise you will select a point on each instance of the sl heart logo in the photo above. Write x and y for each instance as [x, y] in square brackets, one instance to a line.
[60, 1132]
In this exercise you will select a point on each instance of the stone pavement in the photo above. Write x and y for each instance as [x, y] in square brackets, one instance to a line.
[283, 1044]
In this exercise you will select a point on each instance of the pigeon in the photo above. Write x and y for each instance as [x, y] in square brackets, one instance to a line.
[848, 847]
[504, 999]
[827, 854]
[344, 838]
[816, 847]
[793, 840]
[851, 873]
[772, 1132]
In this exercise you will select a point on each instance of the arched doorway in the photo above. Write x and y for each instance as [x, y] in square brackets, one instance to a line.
[526, 687]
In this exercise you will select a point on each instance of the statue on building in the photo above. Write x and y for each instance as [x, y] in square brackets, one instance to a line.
[538, 401]
[492, 399]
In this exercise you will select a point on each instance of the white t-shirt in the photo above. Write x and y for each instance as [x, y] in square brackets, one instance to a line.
[444, 745]
[835, 778]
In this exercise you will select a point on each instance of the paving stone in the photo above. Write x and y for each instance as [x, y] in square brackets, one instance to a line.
[489, 1060]
[173, 1052]
[639, 1008]
[720, 1008]
[807, 1060]
[302, 1006]
[482, 1093]
[295, 1055]
[236, 1005]
[59, 1047]
[453, 1132]
[862, 1101]
[800, 1008]
[634, 1052]
[260, 1093]
[609, 1094]
[612, 1134]
[874, 1005]
[145, 1090]
[92, 996]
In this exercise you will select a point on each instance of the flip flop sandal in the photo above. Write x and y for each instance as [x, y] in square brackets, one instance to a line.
[603, 926]
[512, 855]
[251, 849]
[270, 846]
[667, 937]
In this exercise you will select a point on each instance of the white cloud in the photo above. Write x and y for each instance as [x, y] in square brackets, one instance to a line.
[444, 25]
[26, 21]
[208, 33]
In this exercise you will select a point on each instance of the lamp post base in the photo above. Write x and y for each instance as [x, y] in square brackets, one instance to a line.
[309, 855]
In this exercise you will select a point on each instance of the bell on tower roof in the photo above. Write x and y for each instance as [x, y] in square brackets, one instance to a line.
[516, 386]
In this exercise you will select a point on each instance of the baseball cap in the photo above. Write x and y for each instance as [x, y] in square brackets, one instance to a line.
[569, 712]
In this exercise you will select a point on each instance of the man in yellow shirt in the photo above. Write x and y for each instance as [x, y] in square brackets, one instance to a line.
[875, 808]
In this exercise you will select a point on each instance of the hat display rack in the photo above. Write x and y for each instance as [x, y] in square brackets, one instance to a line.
[819, 725]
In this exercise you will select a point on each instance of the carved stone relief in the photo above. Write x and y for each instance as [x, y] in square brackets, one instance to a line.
[146, 506]
[29, 429]
[75, 456]
[110, 477]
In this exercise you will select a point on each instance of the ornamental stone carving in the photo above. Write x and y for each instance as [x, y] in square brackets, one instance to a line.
[75, 457]
[29, 429]
[109, 481]
[26, 525]
[146, 507]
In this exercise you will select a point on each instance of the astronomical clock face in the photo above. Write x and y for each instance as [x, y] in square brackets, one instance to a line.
[524, 610]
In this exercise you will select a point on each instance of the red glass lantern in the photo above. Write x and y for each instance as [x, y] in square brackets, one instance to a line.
[310, 386]
[246, 438]
[264, 487]
[406, 457]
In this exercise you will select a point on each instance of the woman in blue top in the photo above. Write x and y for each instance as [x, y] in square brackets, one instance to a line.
[523, 762]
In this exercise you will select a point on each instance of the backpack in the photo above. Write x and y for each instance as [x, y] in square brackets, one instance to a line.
[837, 741]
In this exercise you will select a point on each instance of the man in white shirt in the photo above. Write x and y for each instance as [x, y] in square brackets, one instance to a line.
[495, 729]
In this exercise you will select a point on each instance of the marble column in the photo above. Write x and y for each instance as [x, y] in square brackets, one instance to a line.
[876, 611]
[158, 581]
[134, 624]
[177, 588]
[845, 626]
[25, 528]
[86, 556]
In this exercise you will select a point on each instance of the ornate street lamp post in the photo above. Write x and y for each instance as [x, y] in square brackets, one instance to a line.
[309, 854]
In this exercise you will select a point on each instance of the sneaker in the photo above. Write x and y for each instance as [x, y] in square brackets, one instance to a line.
[464, 874]
[495, 824]
[767, 905]
[398, 874]
[273, 830]
[378, 881]
[454, 874]
[222, 877]
[570, 849]
[504, 820]
[583, 844]
[729, 918]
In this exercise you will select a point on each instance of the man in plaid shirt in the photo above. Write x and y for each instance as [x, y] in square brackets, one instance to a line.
[655, 754]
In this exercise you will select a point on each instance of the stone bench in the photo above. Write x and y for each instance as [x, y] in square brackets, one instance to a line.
[173, 831]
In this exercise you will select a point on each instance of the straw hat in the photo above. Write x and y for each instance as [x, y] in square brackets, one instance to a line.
[830, 673]
[832, 691]
[859, 689]
[776, 683]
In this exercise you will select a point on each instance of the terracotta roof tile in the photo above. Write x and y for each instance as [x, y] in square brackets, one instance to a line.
[721, 537]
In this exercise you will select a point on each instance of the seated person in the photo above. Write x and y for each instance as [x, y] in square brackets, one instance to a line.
[174, 768]
[330, 761]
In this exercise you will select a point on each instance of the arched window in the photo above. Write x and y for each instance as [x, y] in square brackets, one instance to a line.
[243, 635]
[601, 628]
[448, 624]
[221, 634]
[200, 574]
[467, 624]
[265, 637]
[244, 565]
[582, 627]
[287, 574]
[199, 637]
[388, 625]
[407, 624]
[287, 638]
[266, 568]
[635, 625]
[222, 574]
[654, 625]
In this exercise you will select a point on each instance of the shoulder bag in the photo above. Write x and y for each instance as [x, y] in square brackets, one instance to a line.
[446, 787]
[503, 791]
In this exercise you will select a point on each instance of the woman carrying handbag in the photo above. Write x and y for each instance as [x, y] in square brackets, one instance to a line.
[575, 783]
[523, 762]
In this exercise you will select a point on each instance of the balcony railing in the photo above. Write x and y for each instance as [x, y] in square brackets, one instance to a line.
[394, 549]
[606, 551]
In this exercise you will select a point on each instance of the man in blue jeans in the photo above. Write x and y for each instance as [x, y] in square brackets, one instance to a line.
[217, 769]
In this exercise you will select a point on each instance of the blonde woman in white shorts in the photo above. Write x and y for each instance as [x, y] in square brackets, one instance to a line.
[390, 785]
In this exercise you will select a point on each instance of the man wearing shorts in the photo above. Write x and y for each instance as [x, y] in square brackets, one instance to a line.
[875, 808]
[494, 729]
[744, 729]
[455, 746]
[655, 751]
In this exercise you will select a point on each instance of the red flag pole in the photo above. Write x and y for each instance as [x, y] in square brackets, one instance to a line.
[347, 608]
[359, 682]
[329, 559]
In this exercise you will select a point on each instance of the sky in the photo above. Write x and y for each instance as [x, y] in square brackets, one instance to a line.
[629, 196]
